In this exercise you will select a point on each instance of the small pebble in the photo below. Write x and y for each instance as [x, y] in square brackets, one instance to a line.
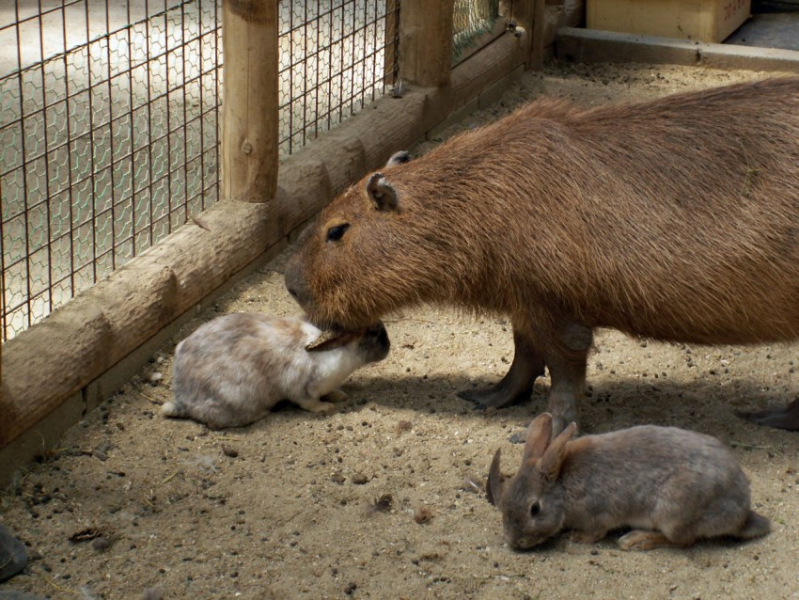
[230, 452]
[359, 479]
[422, 515]
[101, 544]
[153, 594]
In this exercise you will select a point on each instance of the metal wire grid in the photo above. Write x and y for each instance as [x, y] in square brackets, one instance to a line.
[470, 20]
[336, 56]
[109, 129]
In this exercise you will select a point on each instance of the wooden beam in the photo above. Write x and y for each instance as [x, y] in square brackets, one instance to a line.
[250, 109]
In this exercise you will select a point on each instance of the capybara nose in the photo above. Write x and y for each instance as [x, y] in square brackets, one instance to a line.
[295, 284]
[380, 334]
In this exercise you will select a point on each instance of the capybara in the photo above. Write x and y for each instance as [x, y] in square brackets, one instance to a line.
[674, 486]
[675, 219]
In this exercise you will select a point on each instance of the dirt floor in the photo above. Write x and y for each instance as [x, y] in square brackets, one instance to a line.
[136, 506]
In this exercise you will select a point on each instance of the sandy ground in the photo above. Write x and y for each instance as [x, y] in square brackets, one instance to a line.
[135, 506]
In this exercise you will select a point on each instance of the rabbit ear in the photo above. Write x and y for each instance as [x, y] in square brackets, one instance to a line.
[539, 433]
[553, 458]
[330, 340]
[494, 487]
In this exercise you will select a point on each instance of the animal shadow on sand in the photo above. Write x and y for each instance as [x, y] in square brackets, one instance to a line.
[700, 405]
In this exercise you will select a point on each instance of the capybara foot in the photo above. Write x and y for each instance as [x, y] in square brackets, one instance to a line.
[786, 418]
[639, 539]
[495, 397]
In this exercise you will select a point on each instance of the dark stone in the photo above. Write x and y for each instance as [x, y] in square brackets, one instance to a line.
[12, 555]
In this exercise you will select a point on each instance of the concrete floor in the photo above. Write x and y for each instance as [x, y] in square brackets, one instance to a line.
[773, 25]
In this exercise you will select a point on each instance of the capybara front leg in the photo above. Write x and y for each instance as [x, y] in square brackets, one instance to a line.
[567, 365]
[517, 385]
[786, 418]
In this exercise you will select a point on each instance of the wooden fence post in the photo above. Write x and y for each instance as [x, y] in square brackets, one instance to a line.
[392, 33]
[537, 36]
[250, 106]
[426, 41]
[528, 14]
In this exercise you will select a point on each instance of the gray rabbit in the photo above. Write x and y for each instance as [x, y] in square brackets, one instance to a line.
[670, 485]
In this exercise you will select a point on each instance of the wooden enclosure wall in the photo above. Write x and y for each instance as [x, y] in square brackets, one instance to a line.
[58, 370]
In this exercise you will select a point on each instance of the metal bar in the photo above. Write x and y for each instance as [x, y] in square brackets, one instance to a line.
[185, 118]
[24, 169]
[46, 165]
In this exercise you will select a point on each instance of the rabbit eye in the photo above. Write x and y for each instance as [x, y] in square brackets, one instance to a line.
[336, 232]
[535, 509]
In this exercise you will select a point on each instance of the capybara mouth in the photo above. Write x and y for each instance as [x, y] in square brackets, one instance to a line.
[336, 336]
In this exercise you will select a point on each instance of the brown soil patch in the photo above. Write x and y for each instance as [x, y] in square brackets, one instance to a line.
[291, 507]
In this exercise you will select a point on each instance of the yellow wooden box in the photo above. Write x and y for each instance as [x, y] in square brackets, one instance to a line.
[699, 20]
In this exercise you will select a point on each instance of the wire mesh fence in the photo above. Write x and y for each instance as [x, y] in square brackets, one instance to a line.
[110, 121]
[336, 56]
[109, 129]
[110, 124]
[471, 20]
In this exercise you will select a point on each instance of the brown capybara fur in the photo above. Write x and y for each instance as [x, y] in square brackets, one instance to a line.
[675, 219]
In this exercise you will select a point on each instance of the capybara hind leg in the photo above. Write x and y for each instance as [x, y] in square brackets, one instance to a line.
[518, 383]
[786, 418]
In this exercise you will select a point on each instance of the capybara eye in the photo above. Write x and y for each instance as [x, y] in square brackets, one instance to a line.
[336, 232]
[535, 509]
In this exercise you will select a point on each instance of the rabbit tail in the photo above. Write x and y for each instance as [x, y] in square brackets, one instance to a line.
[755, 526]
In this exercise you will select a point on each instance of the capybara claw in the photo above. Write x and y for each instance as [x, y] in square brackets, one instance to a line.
[786, 418]
[492, 397]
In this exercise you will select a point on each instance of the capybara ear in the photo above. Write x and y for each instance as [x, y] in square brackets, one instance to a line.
[539, 434]
[330, 340]
[554, 456]
[494, 487]
[398, 158]
[381, 193]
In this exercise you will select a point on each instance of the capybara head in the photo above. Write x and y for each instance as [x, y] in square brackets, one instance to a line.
[360, 258]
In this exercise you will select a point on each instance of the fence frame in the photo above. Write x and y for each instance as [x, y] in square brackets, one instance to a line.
[58, 370]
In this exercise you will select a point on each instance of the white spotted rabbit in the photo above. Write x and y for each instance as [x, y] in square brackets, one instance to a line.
[233, 370]
[671, 485]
